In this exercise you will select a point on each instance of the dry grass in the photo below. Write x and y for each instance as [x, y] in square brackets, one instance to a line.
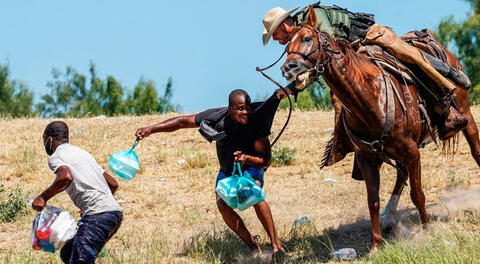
[170, 213]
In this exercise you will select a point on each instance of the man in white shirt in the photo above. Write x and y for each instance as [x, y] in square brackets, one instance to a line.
[90, 188]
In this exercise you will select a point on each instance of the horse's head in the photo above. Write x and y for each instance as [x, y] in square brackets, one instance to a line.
[304, 49]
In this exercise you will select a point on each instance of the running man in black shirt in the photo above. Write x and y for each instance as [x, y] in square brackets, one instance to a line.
[241, 133]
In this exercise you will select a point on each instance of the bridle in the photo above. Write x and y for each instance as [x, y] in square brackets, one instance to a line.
[319, 67]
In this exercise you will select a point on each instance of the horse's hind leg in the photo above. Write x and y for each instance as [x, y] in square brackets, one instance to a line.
[471, 131]
[471, 134]
[412, 162]
[369, 165]
[388, 216]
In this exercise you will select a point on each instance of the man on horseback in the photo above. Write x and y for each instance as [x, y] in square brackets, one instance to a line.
[360, 28]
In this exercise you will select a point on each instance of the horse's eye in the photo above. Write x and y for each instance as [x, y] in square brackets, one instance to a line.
[307, 39]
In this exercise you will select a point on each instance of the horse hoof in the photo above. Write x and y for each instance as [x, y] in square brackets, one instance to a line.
[388, 223]
[387, 230]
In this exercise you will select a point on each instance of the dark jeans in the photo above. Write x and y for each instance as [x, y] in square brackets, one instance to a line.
[92, 234]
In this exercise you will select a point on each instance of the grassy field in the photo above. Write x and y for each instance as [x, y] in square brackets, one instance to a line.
[171, 217]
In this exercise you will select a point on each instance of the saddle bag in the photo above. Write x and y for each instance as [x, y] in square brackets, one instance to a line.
[338, 21]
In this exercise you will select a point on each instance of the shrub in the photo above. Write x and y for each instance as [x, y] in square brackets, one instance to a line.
[196, 160]
[13, 204]
[283, 156]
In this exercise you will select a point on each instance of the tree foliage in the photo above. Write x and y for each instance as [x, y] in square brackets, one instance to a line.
[464, 39]
[16, 99]
[74, 94]
[316, 96]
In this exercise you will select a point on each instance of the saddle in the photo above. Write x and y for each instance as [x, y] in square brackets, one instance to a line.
[340, 144]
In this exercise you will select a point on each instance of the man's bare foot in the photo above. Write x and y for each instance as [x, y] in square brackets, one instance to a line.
[256, 246]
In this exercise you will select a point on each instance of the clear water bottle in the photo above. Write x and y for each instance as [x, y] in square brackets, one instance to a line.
[346, 254]
[46, 246]
[44, 231]
[302, 220]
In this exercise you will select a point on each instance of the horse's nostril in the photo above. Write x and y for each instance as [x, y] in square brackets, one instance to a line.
[292, 66]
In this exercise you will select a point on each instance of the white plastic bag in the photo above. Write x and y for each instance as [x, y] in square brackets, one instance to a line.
[51, 228]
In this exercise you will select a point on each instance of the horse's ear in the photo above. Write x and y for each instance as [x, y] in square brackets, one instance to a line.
[312, 17]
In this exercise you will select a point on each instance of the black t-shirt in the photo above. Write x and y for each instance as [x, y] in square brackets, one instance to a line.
[240, 137]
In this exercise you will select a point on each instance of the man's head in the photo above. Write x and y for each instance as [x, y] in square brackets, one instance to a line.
[239, 106]
[55, 134]
[278, 23]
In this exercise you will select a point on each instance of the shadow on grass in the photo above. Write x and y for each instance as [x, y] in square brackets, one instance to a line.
[303, 243]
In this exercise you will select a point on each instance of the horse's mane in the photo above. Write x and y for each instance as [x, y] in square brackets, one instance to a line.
[359, 67]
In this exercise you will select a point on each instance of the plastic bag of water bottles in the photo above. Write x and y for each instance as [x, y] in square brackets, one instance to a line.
[249, 193]
[227, 189]
[51, 228]
[125, 164]
[240, 190]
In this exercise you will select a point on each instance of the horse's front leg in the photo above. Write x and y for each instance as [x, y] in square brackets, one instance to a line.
[388, 216]
[370, 166]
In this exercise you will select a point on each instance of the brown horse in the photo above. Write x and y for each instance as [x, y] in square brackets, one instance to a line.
[377, 127]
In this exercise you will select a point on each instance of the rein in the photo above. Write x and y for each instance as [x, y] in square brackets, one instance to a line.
[261, 70]
[319, 69]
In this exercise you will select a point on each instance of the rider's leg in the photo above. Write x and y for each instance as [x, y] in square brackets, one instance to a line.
[448, 71]
[453, 121]
[386, 38]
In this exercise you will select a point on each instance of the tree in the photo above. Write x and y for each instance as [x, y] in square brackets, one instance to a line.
[165, 101]
[68, 94]
[464, 39]
[114, 97]
[316, 96]
[73, 94]
[144, 99]
[16, 99]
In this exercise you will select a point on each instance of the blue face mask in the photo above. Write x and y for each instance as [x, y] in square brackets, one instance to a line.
[125, 164]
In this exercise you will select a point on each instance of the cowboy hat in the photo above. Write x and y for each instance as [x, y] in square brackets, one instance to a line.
[272, 19]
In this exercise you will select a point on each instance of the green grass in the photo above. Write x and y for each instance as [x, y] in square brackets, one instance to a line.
[282, 156]
[13, 204]
[457, 241]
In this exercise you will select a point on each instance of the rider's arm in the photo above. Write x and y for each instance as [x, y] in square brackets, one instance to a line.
[261, 146]
[168, 125]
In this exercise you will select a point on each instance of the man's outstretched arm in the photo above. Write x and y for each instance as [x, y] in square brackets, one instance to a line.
[62, 180]
[168, 125]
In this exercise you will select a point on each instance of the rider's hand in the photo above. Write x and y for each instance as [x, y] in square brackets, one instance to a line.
[240, 157]
[39, 203]
[143, 132]
[281, 94]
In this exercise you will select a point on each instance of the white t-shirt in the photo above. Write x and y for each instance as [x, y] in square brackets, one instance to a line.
[89, 190]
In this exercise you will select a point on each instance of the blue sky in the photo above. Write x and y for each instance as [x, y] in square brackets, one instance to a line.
[208, 47]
